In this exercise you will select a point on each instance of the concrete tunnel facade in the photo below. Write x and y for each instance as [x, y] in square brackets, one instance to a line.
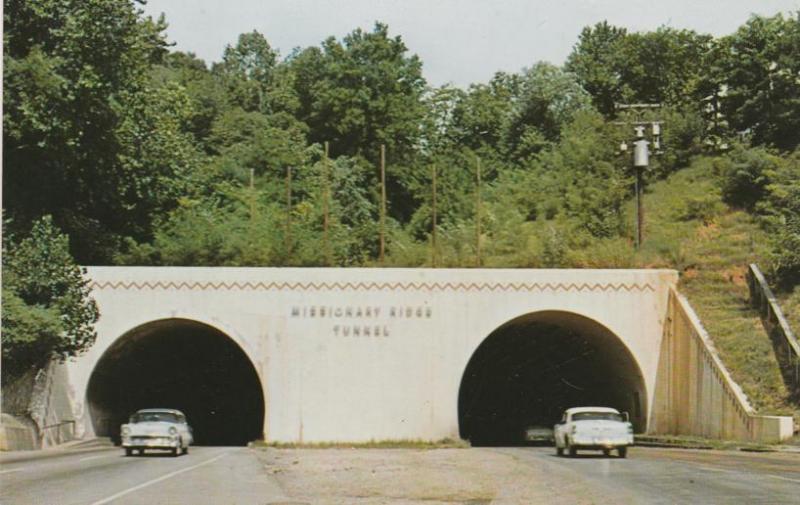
[350, 355]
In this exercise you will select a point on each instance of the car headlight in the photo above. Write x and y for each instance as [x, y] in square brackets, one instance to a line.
[125, 431]
[173, 430]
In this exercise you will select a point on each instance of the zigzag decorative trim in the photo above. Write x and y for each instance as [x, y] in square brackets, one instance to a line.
[368, 286]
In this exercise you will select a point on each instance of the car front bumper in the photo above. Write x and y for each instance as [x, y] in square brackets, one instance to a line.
[151, 442]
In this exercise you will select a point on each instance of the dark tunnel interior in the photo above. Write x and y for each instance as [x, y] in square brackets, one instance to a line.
[180, 364]
[527, 372]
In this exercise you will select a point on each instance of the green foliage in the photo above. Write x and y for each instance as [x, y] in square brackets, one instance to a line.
[746, 175]
[757, 69]
[597, 61]
[360, 93]
[703, 208]
[549, 98]
[614, 66]
[247, 72]
[782, 211]
[47, 312]
[71, 69]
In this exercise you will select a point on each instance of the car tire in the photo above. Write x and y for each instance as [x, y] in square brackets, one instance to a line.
[623, 452]
[175, 452]
[128, 451]
[559, 451]
[606, 452]
[185, 450]
[141, 452]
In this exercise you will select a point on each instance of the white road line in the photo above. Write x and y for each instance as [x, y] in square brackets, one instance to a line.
[783, 478]
[100, 456]
[163, 477]
[12, 471]
[719, 470]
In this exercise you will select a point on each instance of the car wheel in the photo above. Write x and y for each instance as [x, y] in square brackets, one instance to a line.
[559, 451]
[186, 450]
[128, 451]
[175, 451]
[606, 452]
[572, 451]
[623, 452]
[141, 452]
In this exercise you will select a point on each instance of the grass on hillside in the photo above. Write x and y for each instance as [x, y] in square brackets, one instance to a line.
[690, 229]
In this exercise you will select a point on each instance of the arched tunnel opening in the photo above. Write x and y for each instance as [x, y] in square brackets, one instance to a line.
[528, 371]
[184, 365]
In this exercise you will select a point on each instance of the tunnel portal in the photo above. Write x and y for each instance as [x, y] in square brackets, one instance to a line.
[525, 373]
[181, 364]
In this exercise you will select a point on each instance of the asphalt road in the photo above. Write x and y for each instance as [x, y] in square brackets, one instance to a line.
[100, 474]
[654, 475]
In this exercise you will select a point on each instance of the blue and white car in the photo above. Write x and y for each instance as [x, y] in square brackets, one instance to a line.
[160, 429]
[597, 428]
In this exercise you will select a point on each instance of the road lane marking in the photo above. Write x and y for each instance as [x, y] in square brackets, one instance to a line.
[154, 481]
[783, 478]
[712, 469]
[14, 470]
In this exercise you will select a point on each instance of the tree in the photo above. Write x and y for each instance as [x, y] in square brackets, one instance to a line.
[664, 66]
[548, 99]
[247, 70]
[597, 62]
[360, 93]
[481, 117]
[71, 69]
[757, 69]
[47, 311]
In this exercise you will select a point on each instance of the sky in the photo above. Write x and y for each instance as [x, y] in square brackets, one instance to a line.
[459, 41]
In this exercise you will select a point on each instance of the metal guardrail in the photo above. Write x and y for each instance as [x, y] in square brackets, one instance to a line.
[776, 325]
[58, 438]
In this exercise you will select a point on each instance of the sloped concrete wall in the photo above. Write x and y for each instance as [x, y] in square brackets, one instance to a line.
[695, 394]
[17, 434]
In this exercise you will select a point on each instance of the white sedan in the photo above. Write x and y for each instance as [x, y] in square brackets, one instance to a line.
[161, 429]
[595, 428]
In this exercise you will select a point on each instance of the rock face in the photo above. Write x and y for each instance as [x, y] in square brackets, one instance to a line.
[38, 410]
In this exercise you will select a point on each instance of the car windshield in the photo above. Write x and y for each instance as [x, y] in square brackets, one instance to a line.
[596, 416]
[149, 417]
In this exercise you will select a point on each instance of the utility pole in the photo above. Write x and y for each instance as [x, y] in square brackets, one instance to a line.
[383, 203]
[325, 198]
[288, 211]
[641, 154]
[252, 194]
[433, 220]
[478, 211]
